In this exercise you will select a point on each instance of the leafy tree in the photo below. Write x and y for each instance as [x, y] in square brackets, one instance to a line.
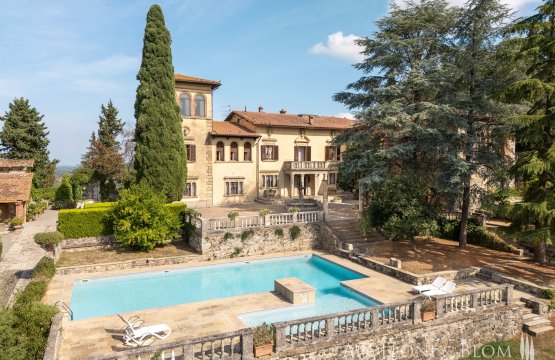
[140, 219]
[160, 157]
[64, 195]
[535, 167]
[109, 126]
[25, 136]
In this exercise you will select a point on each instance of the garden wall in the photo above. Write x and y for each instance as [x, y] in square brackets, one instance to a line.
[447, 338]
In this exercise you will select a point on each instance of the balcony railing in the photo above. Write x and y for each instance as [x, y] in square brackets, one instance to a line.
[306, 165]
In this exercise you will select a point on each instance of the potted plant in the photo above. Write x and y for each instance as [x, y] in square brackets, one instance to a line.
[263, 340]
[428, 310]
[294, 210]
[17, 223]
[264, 212]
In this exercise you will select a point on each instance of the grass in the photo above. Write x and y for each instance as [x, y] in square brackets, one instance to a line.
[99, 256]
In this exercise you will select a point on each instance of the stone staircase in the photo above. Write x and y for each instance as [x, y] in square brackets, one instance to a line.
[348, 231]
[533, 324]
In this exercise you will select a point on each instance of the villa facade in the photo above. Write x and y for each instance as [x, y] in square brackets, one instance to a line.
[253, 155]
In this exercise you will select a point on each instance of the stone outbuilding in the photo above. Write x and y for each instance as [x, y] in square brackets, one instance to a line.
[15, 187]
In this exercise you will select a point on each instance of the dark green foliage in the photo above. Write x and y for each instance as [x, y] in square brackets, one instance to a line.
[39, 194]
[278, 232]
[160, 156]
[549, 294]
[294, 232]
[497, 203]
[236, 252]
[247, 234]
[535, 166]
[33, 321]
[140, 219]
[49, 239]
[34, 209]
[477, 235]
[64, 195]
[25, 136]
[32, 293]
[12, 342]
[401, 209]
[100, 205]
[228, 236]
[110, 126]
[45, 269]
[78, 223]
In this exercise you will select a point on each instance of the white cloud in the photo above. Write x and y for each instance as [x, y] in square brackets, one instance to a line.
[346, 115]
[340, 46]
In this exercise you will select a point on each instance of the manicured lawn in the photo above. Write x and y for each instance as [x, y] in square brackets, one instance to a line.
[437, 255]
[106, 256]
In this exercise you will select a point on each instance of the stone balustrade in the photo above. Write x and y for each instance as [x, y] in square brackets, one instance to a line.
[231, 345]
[306, 165]
[246, 222]
[315, 329]
[473, 300]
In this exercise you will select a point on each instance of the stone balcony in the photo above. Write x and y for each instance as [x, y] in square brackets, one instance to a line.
[306, 166]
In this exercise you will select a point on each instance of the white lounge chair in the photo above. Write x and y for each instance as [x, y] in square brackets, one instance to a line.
[141, 335]
[448, 288]
[134, 322]
[436, 284]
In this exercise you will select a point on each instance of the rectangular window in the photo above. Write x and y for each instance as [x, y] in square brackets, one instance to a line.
[269, 152]
[269, 181]
[191, 153]
[333, 153]
[191, 189]
[332, 179]
[302, 153]
[233, 188]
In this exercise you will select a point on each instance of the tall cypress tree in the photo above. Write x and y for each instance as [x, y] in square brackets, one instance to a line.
[25, 136]
[535, 166]
[160, 155]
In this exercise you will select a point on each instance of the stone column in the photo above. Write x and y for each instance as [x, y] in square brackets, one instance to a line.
[247, 345]
[360, 198]
[416, 317]
[325, 197]
[280, 337]
[188, 352]
[291, 184]
[509, 297]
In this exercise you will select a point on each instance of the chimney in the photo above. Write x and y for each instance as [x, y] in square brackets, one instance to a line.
[260, 109]
[283, 111]
[310, 117]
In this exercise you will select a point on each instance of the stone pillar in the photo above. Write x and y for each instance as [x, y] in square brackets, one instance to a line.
[509, 297]
[291, 185]
[247, 345]
[188, 352]
[329, 328]
[267, 221]
[20, 210]
[440, 307]
[416, 314]
[360, 198]
[325, 198]
[280, 337]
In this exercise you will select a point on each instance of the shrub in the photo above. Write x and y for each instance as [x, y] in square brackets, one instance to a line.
[49, 239]
[428, 305]
[48, 194]
[12, 342]
[476, 235]
[228, 236]
[294, 232]
[188, 230]
[294, 210]
[16, 221]
[549, 294]
[106, 204]
[263, 335]
[33, 322]
[78, 223]
[236, 252]
[265, 212]
[45, 269]
[232, 215]
[34, 291]
[140, 219]
[178, 209]
[278, 232]
[64, 195]
[247, 234]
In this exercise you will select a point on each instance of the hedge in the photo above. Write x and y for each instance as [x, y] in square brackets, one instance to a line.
[88, 222]
[476, 235]
[49, 239]
[79, 223]
[45, 269]
[107, 204]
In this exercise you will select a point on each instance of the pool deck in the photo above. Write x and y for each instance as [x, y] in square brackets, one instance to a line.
[102, 335]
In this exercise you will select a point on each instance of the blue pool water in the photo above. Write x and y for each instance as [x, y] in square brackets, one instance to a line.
[107, 296]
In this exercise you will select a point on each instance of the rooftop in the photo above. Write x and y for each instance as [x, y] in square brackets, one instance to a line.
[226, 128]
[15, 186]
[195, 80]
[9, 163]
[293, 121]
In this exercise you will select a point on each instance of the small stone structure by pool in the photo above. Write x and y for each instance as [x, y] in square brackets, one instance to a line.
[295, 291]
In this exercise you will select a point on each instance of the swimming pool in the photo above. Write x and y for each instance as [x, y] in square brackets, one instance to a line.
[112, 295]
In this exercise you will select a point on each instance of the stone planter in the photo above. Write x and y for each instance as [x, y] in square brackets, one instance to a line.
[263, 350]
[428, 315]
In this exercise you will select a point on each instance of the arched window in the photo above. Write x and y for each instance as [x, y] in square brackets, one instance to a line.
[185, 104]
[200, 105]
[233, 152]
[247, 152]
[220, 151]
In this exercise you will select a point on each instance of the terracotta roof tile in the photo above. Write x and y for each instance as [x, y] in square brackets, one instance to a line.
[192, 79]
[294, 121]
[226, 128]
[15, 186]
[9, 163]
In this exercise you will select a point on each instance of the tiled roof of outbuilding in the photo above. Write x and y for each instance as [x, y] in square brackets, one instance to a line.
[226, 128]
[9, 163]
[294, 121]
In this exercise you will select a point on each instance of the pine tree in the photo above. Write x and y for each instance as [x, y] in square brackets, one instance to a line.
[25, 136]
[535, 166]
[472, 79]
[160, 157]
[109, 126]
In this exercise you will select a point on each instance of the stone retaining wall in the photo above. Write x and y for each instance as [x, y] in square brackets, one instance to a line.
[448, 338]
[54, 338]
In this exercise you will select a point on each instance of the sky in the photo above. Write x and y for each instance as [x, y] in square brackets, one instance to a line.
[69, 57]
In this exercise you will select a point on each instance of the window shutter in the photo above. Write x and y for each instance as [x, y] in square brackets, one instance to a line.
[263, 152]
[296, 150]
[308, 158]
[193, 155]
[276, 157]
[327, 152]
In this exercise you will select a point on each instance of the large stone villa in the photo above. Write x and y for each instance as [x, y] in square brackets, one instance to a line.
[253, 154]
